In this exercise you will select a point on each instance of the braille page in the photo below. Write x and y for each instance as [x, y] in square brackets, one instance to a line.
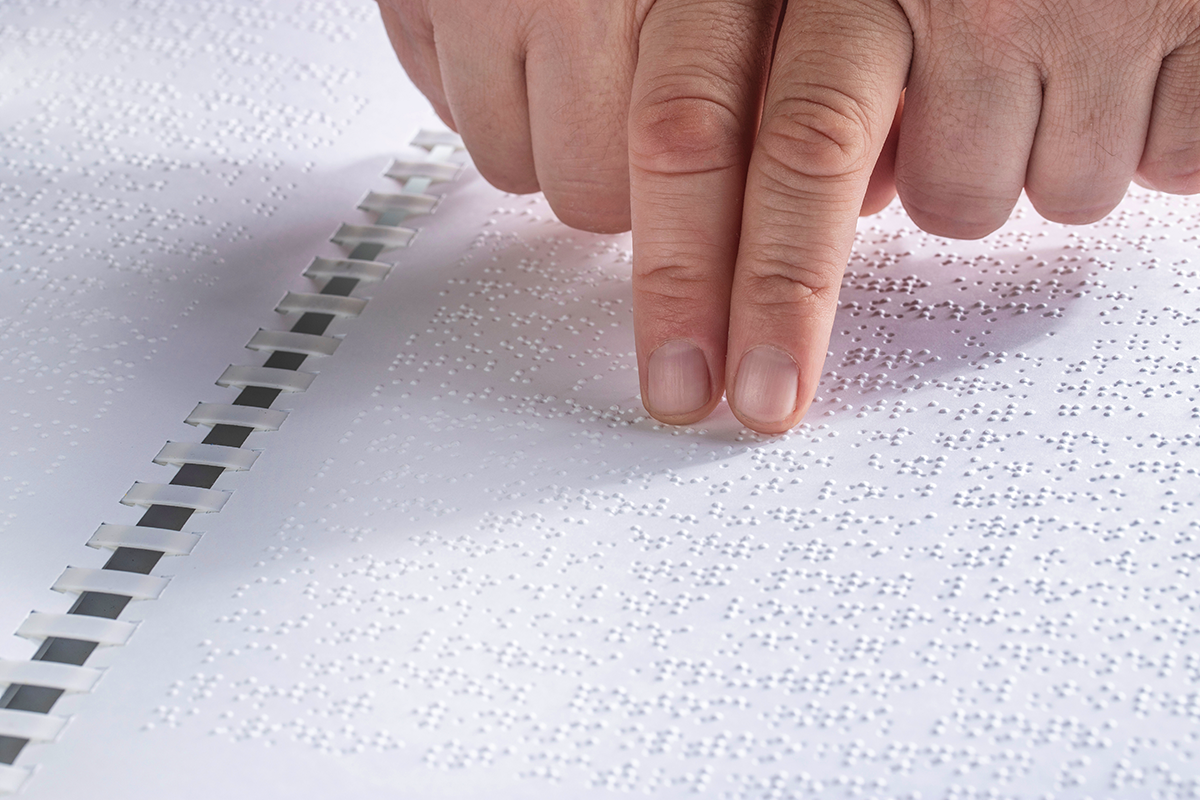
[164, 175]
[468, 564]
[164, 178]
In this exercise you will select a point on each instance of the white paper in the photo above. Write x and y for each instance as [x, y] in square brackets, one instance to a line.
[468, 564]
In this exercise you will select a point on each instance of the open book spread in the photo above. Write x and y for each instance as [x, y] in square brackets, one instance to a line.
[375, 510]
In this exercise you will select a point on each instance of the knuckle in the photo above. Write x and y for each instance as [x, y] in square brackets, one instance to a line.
[953, 212]
[586, 181]
[1175, 173]
[1076, 194]
[824, 136]
[507, 178]
[684, 134]
[673, 310]
[677, 294]
[953, 225]
[590, 205]
[787, 276]
[674, 279]
[594, 220]
[1071, 210]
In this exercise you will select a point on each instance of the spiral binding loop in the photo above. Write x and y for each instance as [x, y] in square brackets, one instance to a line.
[410, 204]
[162, 540]
[304, 303]
[354, 268]
[305, 344]
[51, 675]
[11, 778]
[30, 725]
[434, 172]
[68, 640]
[389, 237]
[285, 380]
[77, 580]
[40, 625]
[433, 140]
[208, 501]
[235, 459]
[259, 419]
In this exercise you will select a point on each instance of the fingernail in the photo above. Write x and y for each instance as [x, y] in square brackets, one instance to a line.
[767, 381]
[678, 381]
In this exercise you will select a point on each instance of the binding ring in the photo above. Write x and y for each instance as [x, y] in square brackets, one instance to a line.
[305, 344]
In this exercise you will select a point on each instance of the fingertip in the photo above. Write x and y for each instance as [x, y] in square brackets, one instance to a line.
[681, 419]
[678, 387]
[766, 388]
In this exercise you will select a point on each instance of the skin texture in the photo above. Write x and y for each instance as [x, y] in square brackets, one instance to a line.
[741, 139]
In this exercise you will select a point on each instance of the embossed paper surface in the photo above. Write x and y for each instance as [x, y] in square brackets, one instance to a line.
[468, 564]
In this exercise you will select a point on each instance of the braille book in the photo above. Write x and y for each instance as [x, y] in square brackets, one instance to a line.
[325, 473]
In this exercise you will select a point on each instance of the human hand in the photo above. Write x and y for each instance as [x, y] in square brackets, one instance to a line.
[743, 195]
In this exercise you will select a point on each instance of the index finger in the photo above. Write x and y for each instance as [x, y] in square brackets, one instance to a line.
[696, 93]
[838, 71]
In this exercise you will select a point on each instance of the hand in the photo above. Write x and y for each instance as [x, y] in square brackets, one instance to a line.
[743, 194]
